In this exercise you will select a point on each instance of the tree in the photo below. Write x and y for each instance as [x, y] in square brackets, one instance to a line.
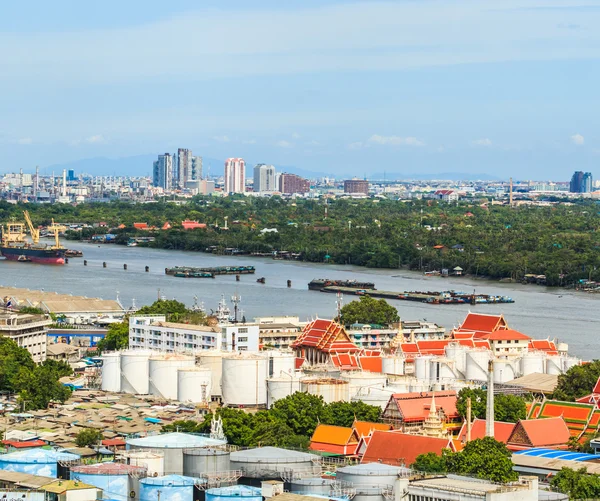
[368, 310]
[344, 413]
[116, 338]
[169, 307]
[508, 408]
[88, 437]
[484, 458]
[13, 360]
[430, 463]
[301, 411]
[32, 310]
[39, 386]
[577, 382]
[478, 402]
[187, 426]
[578, 484]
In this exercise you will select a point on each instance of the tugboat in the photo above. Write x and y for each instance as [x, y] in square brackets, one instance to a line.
[15, 247]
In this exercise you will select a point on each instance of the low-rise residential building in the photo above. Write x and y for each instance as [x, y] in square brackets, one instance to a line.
[27, 330]
[278, 332]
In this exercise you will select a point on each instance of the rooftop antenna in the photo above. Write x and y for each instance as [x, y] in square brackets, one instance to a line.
[510, 196]
[339, 305]
[235, 299]
[489, 418]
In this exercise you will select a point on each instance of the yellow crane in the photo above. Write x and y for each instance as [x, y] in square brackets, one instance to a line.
[56, 228]
[35, 232]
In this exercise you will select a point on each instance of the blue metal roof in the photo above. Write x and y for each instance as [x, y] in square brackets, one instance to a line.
[558, 454]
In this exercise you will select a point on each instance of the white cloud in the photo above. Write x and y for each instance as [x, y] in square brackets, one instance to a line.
[482, 142]
[577, 139]
[25, 140]
[396, 140]
[284, 144]
[95, 139]
[222, 139]
[249, 141]
[356, 146]
[295, 135]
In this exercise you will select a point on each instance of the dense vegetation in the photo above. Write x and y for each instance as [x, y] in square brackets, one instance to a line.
[369, 311]
[507, 408]
[289, 423]
[484, 458]
[578, 484]
[560, 241]
[36, 385]
[577, 382]
[89, 437]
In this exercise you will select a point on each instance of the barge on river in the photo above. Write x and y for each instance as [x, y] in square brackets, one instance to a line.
[429, 297]
[318, 284]
[193, 272]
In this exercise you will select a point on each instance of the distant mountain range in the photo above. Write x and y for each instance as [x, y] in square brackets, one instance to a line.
[141, 165]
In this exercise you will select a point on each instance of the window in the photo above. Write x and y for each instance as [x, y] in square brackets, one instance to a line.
[243, 330]
[242, 339]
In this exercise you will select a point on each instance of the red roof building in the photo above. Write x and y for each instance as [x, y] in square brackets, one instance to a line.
[24, 444]
[192, 225]
[364, 428]
[480, 324]
[502, 430]
[334, 440]
[582, 419]
[141, 226]
[550, 433]
[408, 411]
[400, 449]
[325, 341]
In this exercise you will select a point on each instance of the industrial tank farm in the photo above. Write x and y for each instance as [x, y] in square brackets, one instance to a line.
[194, 384]
[272, 462]
[373, 481]
[244, 380]
[234, 493]
[35, 461]
[198, 462]
[117, 480]
[163, 373]
[169, 487]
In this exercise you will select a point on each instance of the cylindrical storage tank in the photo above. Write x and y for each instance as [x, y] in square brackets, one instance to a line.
[458, 353]
[244, 380]
[111, 371]
[378, 397]
[442, 370]
[419, 386]
[194, 384]
[281, 387]
[332, 390]
[135, 373]
[280, 363]
[392, 365]
[569, 362]
[371, 480]
[504, 371]
[554, 365]
[197, 462]
[312, 486]
[477, 365]
[113, 478]
[41, 462]
[268, 463]
[169, 487]
[423, 368]
[163, 373]
[213, 359]
[234, 492]
[363, 380]
[533, 363]
[154, 462]
[562, 348]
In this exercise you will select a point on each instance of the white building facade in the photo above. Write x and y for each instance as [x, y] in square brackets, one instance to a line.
[264, 179]
[235, 175]
[28, 331]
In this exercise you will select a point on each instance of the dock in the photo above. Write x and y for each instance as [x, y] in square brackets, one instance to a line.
[194, 272]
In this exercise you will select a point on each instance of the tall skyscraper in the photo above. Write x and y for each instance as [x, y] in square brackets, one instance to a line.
[183, 170]
[291, 183]
[235, 175]
[196, 173]
[162, 173]
[581, 182]
[264, 178]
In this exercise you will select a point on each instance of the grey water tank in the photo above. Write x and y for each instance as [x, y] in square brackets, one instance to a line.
[269, 463]
[197, 462]
[316, 485]
[372, 481]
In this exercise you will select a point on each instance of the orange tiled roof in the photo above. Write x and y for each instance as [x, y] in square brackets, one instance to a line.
[327, 336]
[506, 334]
[502, 430]
[335, 435]
[415, 406]
[364, 428]
[550, 432]
[483, 323]
[370, 363]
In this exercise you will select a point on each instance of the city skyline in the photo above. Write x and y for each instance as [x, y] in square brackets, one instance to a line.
[503, 87]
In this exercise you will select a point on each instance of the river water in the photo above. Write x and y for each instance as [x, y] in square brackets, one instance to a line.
[539, 312]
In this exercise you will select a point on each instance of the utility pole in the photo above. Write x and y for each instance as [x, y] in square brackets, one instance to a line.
[468, 419]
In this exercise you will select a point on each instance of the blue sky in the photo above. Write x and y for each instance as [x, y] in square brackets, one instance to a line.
[504, 87]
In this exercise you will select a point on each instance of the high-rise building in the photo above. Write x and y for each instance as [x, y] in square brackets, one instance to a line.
[196, 169]
[162, 174]
[291, 183]
[581, 182]
[356, 186]
[71, 175]
[183, 168]
[235, 175]
[264, 178]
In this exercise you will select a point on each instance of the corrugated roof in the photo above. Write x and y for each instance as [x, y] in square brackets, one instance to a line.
[537, 382]
[335, 435]
[558, 454]
[61, 486]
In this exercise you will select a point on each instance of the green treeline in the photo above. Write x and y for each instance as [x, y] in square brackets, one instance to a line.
[561, 241]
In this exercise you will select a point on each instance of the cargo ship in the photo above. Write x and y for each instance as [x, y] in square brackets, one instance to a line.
[16, 247]
[318, 284]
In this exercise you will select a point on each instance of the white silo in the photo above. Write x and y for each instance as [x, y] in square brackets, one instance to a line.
[363, 380]
[244, 380]
[280, 363]
[569, 362]
[563, 348]
[281, 387]
[194, 384]
[423, 367]
[214, 360]
[554, 365]
[163, 373]
[458, 353]
[111, 371]
[477, 365]
[331, 389]
[379, 397]
[135, 371]
[393, 365]
[442, 370]
[504, 370]
[533, 363]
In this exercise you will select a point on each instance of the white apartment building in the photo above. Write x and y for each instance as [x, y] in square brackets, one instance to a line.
[235, 175]
[28, 331]
[153, 332]
[264, 179]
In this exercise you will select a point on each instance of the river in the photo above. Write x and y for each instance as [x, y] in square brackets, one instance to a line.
[538, 311]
